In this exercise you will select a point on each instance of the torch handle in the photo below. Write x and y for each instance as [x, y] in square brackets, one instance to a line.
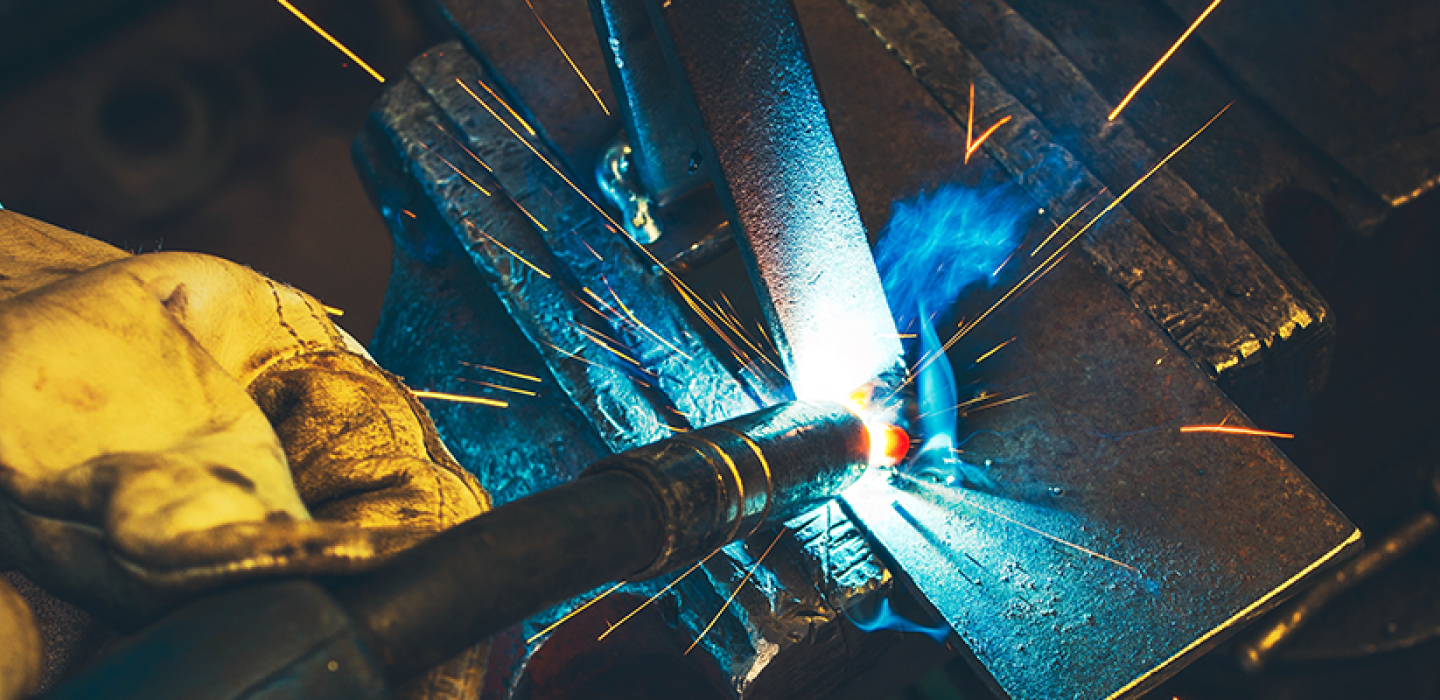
[498, 569]
[634, 515]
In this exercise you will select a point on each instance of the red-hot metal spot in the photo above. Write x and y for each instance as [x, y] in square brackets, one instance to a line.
[888, 444]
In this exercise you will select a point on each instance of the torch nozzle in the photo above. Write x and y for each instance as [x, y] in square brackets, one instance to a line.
[725, 481]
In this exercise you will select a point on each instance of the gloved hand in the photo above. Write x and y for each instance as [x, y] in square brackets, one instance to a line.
[174, 421]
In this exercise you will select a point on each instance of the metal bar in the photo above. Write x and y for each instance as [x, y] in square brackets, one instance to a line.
[777, 170]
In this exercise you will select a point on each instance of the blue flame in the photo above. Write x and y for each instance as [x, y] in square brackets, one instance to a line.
[938, 244]
[933, 248]
[887, 619]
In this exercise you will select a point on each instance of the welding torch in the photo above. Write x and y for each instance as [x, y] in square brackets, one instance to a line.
[631, 516]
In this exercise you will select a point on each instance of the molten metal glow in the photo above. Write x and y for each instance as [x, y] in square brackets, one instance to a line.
[458, 398]
[333, 41]
[888, 444]
[1234, 430]
[1163, 59]
[568, 59]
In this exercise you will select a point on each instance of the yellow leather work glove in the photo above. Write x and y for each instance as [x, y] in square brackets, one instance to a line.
[174, 421]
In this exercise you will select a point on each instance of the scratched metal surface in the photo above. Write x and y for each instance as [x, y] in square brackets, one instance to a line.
[1093, 352]
[1216, 528]
[461, 232]
[1195, 255]
[1213, 524]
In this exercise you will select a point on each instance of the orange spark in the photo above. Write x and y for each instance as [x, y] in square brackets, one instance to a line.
[974, 146]
[982, 396]
[614, 226]
[598, 256]
[1163, 59]
[462, 146]
[508, 108]
[667, 587]
[1233, 430]
[545, 160]
[458, 171]
[1045, 534]
[736, 592]
[332, 310]
[1067, 220]
[1004, 262]
[528, 215]
[408, 213]
[599, 339]
[993, 350]
[458, 398]
[333, 41]
[507, 249]
[1046, 266]
[971, 144]
[630, 317]
[567, 59]
[708, 314]
[998, 403]
[574, 355]
[506, 372]
[573, 613]
[955, 496]
[502, 387]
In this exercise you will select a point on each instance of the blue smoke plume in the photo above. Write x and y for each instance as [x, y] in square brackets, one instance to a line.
[938, 244]
[933, 248]
[887, 619]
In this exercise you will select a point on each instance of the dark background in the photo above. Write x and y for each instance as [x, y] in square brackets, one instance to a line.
[224, 126]
[219, 126]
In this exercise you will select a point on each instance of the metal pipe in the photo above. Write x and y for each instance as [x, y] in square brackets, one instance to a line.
[634, 515]
[662, 146]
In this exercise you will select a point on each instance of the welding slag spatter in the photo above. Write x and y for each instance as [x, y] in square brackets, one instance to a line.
[631, 516]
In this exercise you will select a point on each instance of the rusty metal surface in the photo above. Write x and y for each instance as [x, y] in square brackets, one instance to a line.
[1096, 459]
[1356, 78]
[1251, 320]
[1217, 529]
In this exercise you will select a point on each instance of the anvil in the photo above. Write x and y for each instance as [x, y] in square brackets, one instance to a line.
[1108, 549]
